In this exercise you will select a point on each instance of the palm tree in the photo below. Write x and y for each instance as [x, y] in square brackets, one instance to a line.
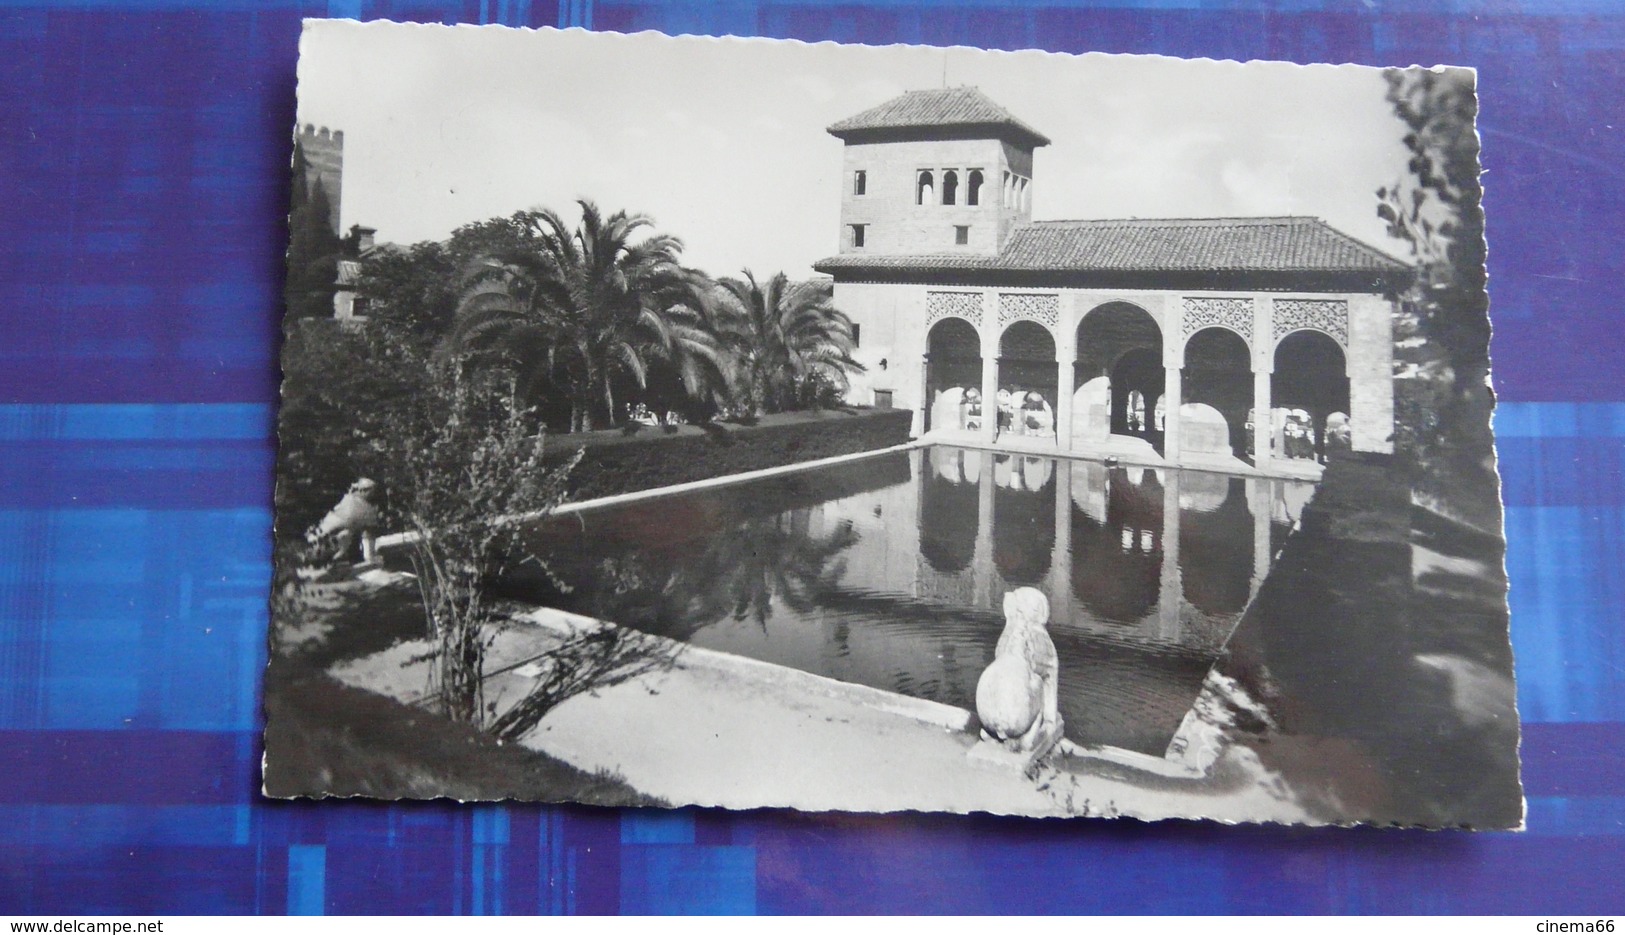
[580, 311]
[792, 348]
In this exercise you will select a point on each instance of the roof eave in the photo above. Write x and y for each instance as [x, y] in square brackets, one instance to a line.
[1009, 132]
[1377, 280]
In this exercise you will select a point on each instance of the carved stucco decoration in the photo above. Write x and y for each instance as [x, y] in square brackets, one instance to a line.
[1235, 314]
[1328, 316]
[966, 305]
[1042, 308]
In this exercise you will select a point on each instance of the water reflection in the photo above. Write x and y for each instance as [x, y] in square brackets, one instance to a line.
[1117, 519]
[890, 573]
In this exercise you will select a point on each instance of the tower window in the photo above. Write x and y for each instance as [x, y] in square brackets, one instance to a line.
[860, 182]
[857, 334]
[962, 234]
[973, 188]
[858, 230]
[925, 188]
[950, 186]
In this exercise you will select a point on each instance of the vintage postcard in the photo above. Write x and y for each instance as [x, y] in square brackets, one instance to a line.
[743, 423]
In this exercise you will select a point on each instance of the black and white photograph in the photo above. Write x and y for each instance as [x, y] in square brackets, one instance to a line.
[750, 423]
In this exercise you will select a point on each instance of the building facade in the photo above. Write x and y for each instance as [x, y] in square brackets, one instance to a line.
[1223, 342]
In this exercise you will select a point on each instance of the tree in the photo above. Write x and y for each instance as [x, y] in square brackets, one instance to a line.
[1443, 402]
[466, 468]
[581, 311]
[313, 247]
[419, 287]
[1438, 211]
[792, 347]
[344, 394]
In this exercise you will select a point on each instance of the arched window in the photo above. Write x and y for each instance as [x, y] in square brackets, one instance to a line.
[924, 188]
[950, 186]
[1009, 190]
[973, 188]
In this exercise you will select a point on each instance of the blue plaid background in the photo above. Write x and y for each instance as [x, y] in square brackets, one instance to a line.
[143, 157]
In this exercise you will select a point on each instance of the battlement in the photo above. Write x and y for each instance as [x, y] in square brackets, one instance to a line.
[312, 133]
[324, 161]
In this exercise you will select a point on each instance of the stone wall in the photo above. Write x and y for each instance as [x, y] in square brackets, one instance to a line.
[1371, 373]
[895, 224]
[617, 461]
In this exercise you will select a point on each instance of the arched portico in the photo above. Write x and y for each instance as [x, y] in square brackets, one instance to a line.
[1028, 381]
[1217, 373]
[953, 376]
[1121, 344]
[1126, 375]
[1310, 376]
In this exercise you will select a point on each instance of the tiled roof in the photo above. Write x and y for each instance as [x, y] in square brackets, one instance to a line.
[349, 273]
[944, 107]
[1243, 245]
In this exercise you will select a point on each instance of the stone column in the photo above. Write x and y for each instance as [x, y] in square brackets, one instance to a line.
[990, 373]
[1172, 395]
[1263, 419]
[1066, 354]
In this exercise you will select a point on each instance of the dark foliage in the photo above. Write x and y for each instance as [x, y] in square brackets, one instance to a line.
[313, 247]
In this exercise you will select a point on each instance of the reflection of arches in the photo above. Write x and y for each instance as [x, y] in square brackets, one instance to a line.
[948, 523]
[1311, 374]
[924, 188]
[1036, 472]
[1026, 371]
[947, 463]
[950, 187]
[1089, 484]
[1218, 372]
[1216, 543]
[953, 361]
[973, 188]
[1117, 569]
[1023, 524]
[1123, 343]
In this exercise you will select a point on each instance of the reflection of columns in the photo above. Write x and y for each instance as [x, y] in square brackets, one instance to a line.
[1065, 357]
[1171, 591]
[1060, 560]
[990, 379]
[1173, 395]
[1258, 500]
[1263, 420]
[982, 565]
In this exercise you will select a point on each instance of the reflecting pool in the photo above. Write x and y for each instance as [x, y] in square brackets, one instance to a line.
[889, 571]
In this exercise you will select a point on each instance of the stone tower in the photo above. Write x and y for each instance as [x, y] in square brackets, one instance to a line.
[943, 171]
[324, 157]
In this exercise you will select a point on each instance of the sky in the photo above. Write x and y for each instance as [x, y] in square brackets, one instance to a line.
[722, 141]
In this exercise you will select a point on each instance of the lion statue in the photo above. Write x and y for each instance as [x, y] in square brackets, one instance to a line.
[1017, 697]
